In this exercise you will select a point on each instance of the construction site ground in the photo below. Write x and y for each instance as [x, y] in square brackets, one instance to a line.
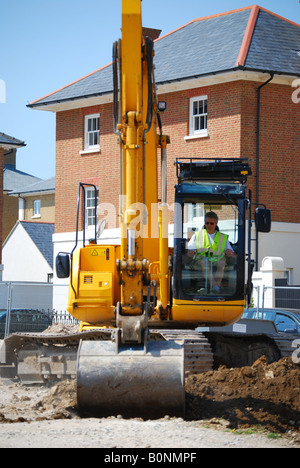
[256, 406]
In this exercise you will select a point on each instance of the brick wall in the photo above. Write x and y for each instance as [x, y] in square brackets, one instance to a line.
[1, 198]
[10, 214]
[232, 112]
[47, 208]
[224, 126]
[232, 132]
[280, 153]
[101, 168]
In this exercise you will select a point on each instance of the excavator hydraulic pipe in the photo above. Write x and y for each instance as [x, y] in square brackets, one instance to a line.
[163, 256]
[131, 148]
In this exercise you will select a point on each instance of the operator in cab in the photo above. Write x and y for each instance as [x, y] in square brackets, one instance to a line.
[208, 250]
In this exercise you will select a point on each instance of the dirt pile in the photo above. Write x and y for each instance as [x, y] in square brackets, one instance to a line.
[62, 399]
[261, 395]
[61, 329]
[20, 403]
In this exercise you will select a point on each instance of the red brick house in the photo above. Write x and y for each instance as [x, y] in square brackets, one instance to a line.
[230, 82]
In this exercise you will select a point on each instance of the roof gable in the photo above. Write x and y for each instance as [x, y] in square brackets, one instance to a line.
[41, 235]
[250, 38]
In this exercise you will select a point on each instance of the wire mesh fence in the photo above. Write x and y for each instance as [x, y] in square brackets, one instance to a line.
[281, 297]
[27, 308]
[31, 321]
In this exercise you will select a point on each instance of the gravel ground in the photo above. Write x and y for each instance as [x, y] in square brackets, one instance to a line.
[118, 433]
[41, 417]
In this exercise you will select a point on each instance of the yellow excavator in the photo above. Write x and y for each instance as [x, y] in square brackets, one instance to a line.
[139, 303]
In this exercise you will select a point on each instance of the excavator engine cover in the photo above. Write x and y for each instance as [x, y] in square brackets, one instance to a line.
[134, 381]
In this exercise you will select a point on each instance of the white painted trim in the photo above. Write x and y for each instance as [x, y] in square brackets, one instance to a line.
[286, 227]
[21, 211]
[32, 194]
[90, 151]
[109, 235]
[197, 135]
[88, 147]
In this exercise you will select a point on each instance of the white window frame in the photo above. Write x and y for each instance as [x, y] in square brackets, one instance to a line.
[89, 209]
[197, 133]
[36, 209]
[21, 216]
[93, 131]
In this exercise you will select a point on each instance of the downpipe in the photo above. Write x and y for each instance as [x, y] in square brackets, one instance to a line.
[258, 156]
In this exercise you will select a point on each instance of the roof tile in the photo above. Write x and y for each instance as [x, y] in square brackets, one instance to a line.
[207, 46]
[274, 45]
[41, 234]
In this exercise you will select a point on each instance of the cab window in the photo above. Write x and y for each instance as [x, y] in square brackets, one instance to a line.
[209, 249]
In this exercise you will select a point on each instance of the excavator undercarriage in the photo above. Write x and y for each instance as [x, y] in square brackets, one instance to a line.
[144, 381]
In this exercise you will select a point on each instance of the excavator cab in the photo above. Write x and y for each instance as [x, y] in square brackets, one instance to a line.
[211, 207]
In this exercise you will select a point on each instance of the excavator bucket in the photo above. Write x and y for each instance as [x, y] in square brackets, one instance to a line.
[131, 381]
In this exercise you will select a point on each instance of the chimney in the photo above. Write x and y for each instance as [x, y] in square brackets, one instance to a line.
[152, 33]
[10, 158]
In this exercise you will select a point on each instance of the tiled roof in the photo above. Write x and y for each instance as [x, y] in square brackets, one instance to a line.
[201, 47]
[97, 83]
[6, 140]
[40, 186]
[41, 234]
[250, 38]
[16, 180]
[275, 45]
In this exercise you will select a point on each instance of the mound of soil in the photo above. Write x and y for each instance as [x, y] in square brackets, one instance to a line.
[20, 403]
[61, 328]
[261, 395]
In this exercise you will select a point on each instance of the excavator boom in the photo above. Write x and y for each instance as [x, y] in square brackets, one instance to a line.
[132, 374]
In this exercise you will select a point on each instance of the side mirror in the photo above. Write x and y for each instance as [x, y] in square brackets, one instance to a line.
[263, 220]
[63, 265]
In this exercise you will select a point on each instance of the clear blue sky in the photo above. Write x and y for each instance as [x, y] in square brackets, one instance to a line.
[46, 44]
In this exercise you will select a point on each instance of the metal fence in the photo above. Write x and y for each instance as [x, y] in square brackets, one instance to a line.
[276, 297]
[287, 297]
[28, 307]
[283, 297]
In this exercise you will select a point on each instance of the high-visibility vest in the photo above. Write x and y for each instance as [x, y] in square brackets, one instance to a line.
[215, 251]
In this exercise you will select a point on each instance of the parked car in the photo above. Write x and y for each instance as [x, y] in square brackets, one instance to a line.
[285, 320]
[25, 320]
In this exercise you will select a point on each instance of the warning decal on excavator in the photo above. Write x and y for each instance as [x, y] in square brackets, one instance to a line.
[98, 252]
